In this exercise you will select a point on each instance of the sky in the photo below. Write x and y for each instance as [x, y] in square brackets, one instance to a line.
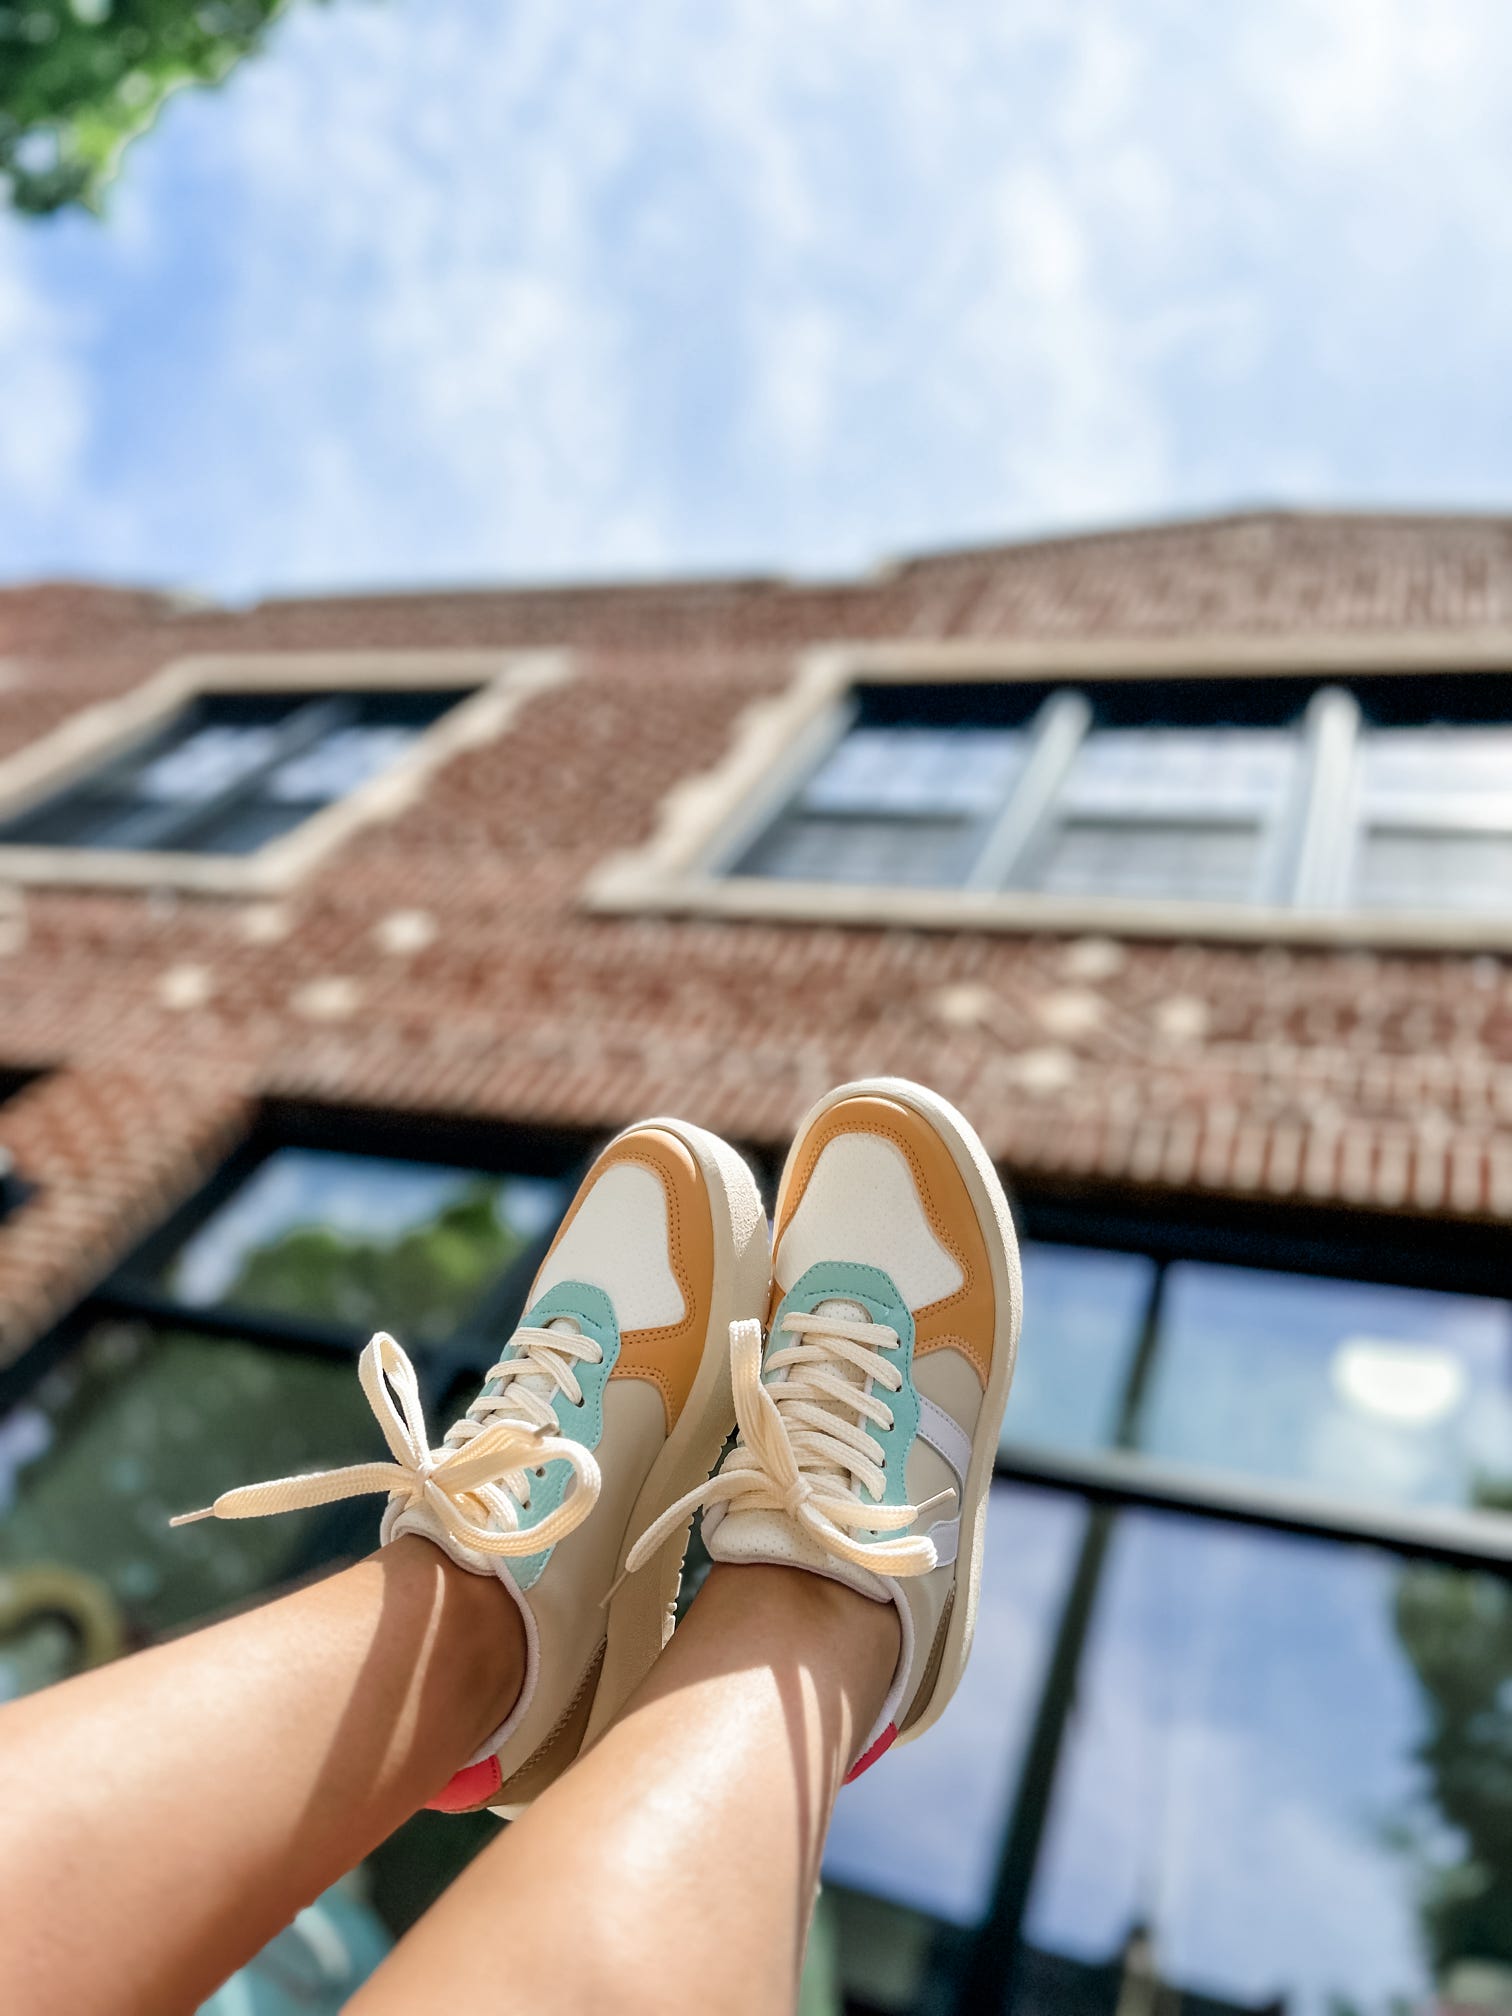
[502, 290]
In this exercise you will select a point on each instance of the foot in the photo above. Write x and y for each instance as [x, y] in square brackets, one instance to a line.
[868, 1434]
[610, 1400]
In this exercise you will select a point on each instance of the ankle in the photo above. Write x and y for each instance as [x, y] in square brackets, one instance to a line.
[819, 1620]
[473, 1636]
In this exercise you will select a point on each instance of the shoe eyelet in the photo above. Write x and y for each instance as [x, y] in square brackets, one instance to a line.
[539, 1471]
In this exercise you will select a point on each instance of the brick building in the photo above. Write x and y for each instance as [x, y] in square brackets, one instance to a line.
[1180, 858]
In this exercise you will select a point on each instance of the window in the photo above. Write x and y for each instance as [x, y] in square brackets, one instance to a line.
[1234, 1734]
[231, 775]
[976, 801]
[232, 771]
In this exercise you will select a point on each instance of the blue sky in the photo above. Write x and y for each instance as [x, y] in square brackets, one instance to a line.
[505, 290]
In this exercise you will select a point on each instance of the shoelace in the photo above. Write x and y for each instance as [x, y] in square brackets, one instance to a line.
[479, 1481]
[798, 1452]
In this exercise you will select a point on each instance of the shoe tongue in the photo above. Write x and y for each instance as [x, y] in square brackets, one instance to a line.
[857, 1312]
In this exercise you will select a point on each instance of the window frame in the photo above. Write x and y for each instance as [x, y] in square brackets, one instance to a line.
[708, 822]
[86, 742]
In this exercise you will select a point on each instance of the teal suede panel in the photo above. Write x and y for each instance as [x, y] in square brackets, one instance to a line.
[593, 1312]
[848, 1281]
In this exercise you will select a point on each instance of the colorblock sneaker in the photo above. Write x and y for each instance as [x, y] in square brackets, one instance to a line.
[868, 1434]
[611, 1399]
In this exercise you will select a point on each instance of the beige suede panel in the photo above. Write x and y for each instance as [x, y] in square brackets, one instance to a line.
[572, 1631]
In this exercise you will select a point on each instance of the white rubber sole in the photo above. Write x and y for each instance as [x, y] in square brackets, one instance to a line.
[986, 1193]
[641, 1610]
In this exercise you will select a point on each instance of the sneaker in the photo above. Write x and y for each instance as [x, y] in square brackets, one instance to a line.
[868, 1435]
[610, 1400]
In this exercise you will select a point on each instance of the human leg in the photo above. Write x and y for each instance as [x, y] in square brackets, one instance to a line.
[673, 1869]
[203, 1756]
[165, 1816]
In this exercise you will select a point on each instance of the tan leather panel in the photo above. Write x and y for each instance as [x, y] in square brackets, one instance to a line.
[924, 1692]
[964, 1321]
[558, 1750]
[668, 1356]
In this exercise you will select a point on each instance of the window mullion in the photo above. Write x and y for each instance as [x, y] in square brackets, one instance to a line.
[1057, 735]
[1322, 817]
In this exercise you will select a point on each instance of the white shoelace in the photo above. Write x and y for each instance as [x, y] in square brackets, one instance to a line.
[479, 1481]
[800, 1451]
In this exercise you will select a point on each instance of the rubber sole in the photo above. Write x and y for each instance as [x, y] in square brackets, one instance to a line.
[641, 1610]
[986, 1193]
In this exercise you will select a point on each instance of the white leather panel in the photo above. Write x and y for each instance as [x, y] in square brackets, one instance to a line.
[618, 1242]
[861, 1205]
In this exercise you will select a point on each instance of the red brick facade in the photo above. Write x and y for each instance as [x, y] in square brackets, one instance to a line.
[1382, 1081]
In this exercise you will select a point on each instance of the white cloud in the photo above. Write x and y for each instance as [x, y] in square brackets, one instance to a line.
[44, 396]
[478, 292]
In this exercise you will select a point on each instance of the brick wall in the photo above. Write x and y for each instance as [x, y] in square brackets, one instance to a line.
[440, 961]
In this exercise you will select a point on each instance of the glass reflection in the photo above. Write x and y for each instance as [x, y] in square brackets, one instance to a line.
[1390, 1393]
[926, 1831]
[134, 1426]
[363, 1241]
[1083, 1310]
[1285, 1785]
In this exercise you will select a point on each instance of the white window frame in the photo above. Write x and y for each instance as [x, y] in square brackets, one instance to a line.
[709, 821]
[80, 746]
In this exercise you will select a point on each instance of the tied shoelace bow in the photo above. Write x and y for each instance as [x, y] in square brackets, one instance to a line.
[798, 1452]
[476, 1484]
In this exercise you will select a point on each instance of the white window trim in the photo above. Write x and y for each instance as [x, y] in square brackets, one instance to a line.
[708, 820]
[78, 747]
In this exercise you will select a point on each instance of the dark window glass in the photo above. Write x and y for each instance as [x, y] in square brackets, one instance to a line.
[1285, 1786]
[1387, 1393]
[232, 771]
[1083, 1311]
[363, 1241]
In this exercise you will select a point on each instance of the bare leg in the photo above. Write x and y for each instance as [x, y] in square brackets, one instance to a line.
[165, 1817]
[673, 1869]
